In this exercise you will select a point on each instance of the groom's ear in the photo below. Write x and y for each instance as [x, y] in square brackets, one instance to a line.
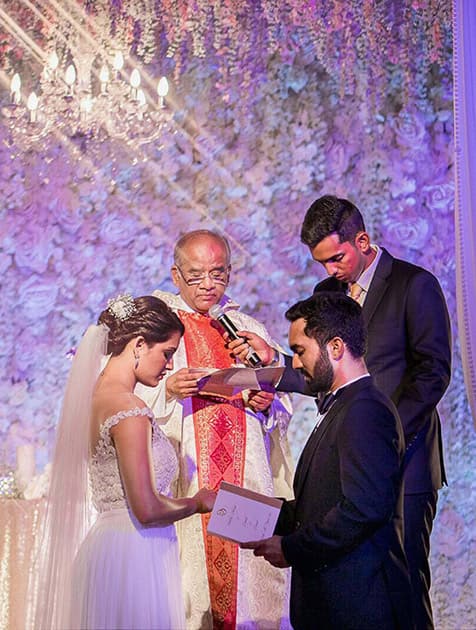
[335, 348]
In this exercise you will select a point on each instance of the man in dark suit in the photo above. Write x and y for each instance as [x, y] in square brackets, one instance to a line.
[409, 356]
[343, 534]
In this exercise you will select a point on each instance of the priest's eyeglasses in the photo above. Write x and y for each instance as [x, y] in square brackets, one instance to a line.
[217, 276]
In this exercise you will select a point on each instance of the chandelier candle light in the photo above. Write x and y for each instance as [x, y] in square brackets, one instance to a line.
[15, 86]
[67, 104]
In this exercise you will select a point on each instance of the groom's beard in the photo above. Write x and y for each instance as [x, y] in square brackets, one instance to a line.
[323, 374]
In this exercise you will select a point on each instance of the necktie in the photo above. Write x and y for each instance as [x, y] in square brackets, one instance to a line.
[355, 291]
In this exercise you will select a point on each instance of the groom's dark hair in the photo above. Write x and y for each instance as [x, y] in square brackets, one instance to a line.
[330, 314]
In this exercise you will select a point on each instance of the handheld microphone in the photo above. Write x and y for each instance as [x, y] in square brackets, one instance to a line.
[216, 312]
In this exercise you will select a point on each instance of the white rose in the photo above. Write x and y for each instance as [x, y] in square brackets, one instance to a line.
[409, 129]
[36, 298]
[18, 393]
[409, 231]
[440, 198]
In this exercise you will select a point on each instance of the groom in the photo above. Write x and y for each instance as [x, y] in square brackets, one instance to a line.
[342, 535]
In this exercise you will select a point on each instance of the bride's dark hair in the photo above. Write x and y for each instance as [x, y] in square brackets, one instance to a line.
[145, 316]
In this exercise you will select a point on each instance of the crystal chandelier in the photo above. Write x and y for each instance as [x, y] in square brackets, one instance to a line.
[79, 100]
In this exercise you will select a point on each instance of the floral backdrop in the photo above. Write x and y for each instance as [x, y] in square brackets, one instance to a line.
[257, 127]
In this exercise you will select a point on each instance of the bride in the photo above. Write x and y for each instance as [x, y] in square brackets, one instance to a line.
[121, 568]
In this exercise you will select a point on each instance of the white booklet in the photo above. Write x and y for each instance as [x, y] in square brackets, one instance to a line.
[231, 381]
[242, 515]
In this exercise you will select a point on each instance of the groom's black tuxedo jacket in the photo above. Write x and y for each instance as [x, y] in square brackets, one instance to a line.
[409, 356]
[343, 532]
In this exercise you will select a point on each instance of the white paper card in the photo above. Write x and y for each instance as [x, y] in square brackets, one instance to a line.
[231, 381]
[241, 515]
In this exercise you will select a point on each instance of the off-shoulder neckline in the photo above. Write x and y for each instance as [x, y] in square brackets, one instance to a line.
[134, 411]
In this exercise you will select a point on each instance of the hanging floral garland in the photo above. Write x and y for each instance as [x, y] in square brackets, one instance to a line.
[388, 39]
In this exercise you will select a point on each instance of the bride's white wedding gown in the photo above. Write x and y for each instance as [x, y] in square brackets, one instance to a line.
[126, 575]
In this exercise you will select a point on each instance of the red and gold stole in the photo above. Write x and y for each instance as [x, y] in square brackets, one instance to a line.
[220, 436]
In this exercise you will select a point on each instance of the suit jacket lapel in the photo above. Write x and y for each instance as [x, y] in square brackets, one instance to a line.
[310, 447]
[319, 434]
[378, 286]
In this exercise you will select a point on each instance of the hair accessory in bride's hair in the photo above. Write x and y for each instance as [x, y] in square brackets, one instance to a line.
[122, 306]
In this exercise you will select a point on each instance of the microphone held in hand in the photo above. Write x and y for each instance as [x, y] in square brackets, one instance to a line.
[216, 312]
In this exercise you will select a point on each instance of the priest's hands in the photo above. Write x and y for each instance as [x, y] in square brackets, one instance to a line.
[240, 347]
[259, 400]
[270, 549]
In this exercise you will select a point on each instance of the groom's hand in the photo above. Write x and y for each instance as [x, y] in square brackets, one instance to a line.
[270, 549]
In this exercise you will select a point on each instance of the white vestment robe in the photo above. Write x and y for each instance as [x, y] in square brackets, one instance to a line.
[263, 590]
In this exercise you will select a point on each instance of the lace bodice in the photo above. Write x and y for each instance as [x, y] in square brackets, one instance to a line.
[107, 489]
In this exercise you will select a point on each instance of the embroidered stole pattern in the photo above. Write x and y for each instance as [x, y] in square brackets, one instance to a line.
[220, 436]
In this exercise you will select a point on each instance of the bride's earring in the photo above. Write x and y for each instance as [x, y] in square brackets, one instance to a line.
[136, 356]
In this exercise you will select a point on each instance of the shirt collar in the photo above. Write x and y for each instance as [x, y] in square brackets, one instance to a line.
[367, 275]
[353, 380]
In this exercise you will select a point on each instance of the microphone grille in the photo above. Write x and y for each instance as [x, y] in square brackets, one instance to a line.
[215, 311]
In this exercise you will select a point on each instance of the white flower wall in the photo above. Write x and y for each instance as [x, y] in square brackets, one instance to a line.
[82, 220]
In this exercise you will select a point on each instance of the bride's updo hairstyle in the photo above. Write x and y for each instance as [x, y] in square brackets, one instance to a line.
[147, 316]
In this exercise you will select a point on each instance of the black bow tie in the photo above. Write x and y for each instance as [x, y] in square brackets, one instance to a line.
[324, 401]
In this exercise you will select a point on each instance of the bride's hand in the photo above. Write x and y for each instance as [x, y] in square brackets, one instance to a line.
[205, 499]
[183, 383]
